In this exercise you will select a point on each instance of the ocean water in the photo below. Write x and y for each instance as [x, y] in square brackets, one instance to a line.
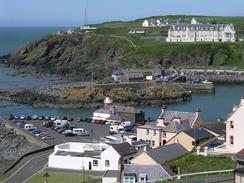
[13, 38]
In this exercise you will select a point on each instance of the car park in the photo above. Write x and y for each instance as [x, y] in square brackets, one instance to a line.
[53, 118]
[42, 134]
[16, 117]
[28, 126]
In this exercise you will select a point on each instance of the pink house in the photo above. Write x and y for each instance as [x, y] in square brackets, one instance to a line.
[168, 125]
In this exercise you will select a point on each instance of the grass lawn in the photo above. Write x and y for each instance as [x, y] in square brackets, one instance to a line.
[192, 163]
[62, 178]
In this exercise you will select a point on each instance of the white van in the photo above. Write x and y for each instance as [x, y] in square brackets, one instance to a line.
[116, 129]
[126, 124]
[60, 123]
[80, 132]
[28, 126]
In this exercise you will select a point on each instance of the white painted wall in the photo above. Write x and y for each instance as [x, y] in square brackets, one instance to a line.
[113, 157]
[109, 180]
[237, 132]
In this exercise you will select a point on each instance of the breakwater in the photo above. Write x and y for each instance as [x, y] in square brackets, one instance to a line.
[217, 76]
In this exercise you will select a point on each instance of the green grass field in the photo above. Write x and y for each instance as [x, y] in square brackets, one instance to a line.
[62, 178]
[192, 163]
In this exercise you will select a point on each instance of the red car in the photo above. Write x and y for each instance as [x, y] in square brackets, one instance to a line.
[98, 122]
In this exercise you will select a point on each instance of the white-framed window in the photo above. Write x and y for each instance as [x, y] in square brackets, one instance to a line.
[231, 140]
[153, 143]
[164, 134]
[142, 178]
[107, 163]
[154, 132]
[231, 125]
[147, 131]
[129, 179]
[95, 162]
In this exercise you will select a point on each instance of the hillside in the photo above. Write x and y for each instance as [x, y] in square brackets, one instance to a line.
[111, 47]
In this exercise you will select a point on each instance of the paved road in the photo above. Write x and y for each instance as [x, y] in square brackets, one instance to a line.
[27, 167]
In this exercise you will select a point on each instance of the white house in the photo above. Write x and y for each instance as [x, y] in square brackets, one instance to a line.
[196, 32]
[88, 156]
[234, 129]
[145, 23]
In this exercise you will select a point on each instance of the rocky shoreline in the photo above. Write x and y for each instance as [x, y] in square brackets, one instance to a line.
[12, 147]
[87, 96]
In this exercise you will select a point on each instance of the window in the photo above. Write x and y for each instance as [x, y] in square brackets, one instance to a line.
[231, 124]
[164, 134]
[129, 179]
[147, 131]
[154, 132]
[95, 162]
[153, 143]
[149, 142]
[125, 161]
[231, 140]
[107, 163]
[142, 178]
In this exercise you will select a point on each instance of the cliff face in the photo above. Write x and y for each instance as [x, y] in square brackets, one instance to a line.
[71, 55]
[80, 55]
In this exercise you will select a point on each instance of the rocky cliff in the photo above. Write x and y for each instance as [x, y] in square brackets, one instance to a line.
[76, 55]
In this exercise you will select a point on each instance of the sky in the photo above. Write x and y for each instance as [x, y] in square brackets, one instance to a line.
[71, 12]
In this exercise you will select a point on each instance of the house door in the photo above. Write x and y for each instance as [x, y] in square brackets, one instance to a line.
[90, 165]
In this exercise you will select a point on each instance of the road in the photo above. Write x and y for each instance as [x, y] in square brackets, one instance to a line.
[27, 167]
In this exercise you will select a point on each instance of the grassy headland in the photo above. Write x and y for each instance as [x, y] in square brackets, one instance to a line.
[110, 47]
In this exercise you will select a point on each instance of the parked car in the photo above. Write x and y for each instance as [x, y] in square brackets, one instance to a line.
[98, 122]
[48, 118]
[53, 118]
[42, 134]
[79, 119]
[28, 118]
[41, 117]
[48, 124]
[20, 124]
[71, 119]
[47, 137]
[80, 132]
[16, 117]
[22, 117]
[64, 118]
[61, 130]
[11, 117]
[35, 117]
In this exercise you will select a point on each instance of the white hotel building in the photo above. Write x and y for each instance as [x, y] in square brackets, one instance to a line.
[196, 32]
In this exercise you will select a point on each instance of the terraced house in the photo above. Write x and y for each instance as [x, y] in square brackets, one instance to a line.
[167, 126]
[197, 32]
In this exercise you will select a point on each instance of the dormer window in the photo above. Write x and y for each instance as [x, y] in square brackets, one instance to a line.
[232, 125]
[142, 178]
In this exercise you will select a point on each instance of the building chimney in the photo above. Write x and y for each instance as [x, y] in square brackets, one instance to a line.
[177, 118]
[242, 101]
[160, 122]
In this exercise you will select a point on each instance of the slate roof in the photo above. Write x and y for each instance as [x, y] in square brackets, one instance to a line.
[153, 172]
[111, 173]
[133, 74]
[164, 153]
[200, 27]
[187, 120]
[198, 133]
[118, 72]
[216, 127]
[124, 149]
[240, 155]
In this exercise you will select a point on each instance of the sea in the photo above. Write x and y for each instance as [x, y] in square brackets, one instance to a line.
[213, 106]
